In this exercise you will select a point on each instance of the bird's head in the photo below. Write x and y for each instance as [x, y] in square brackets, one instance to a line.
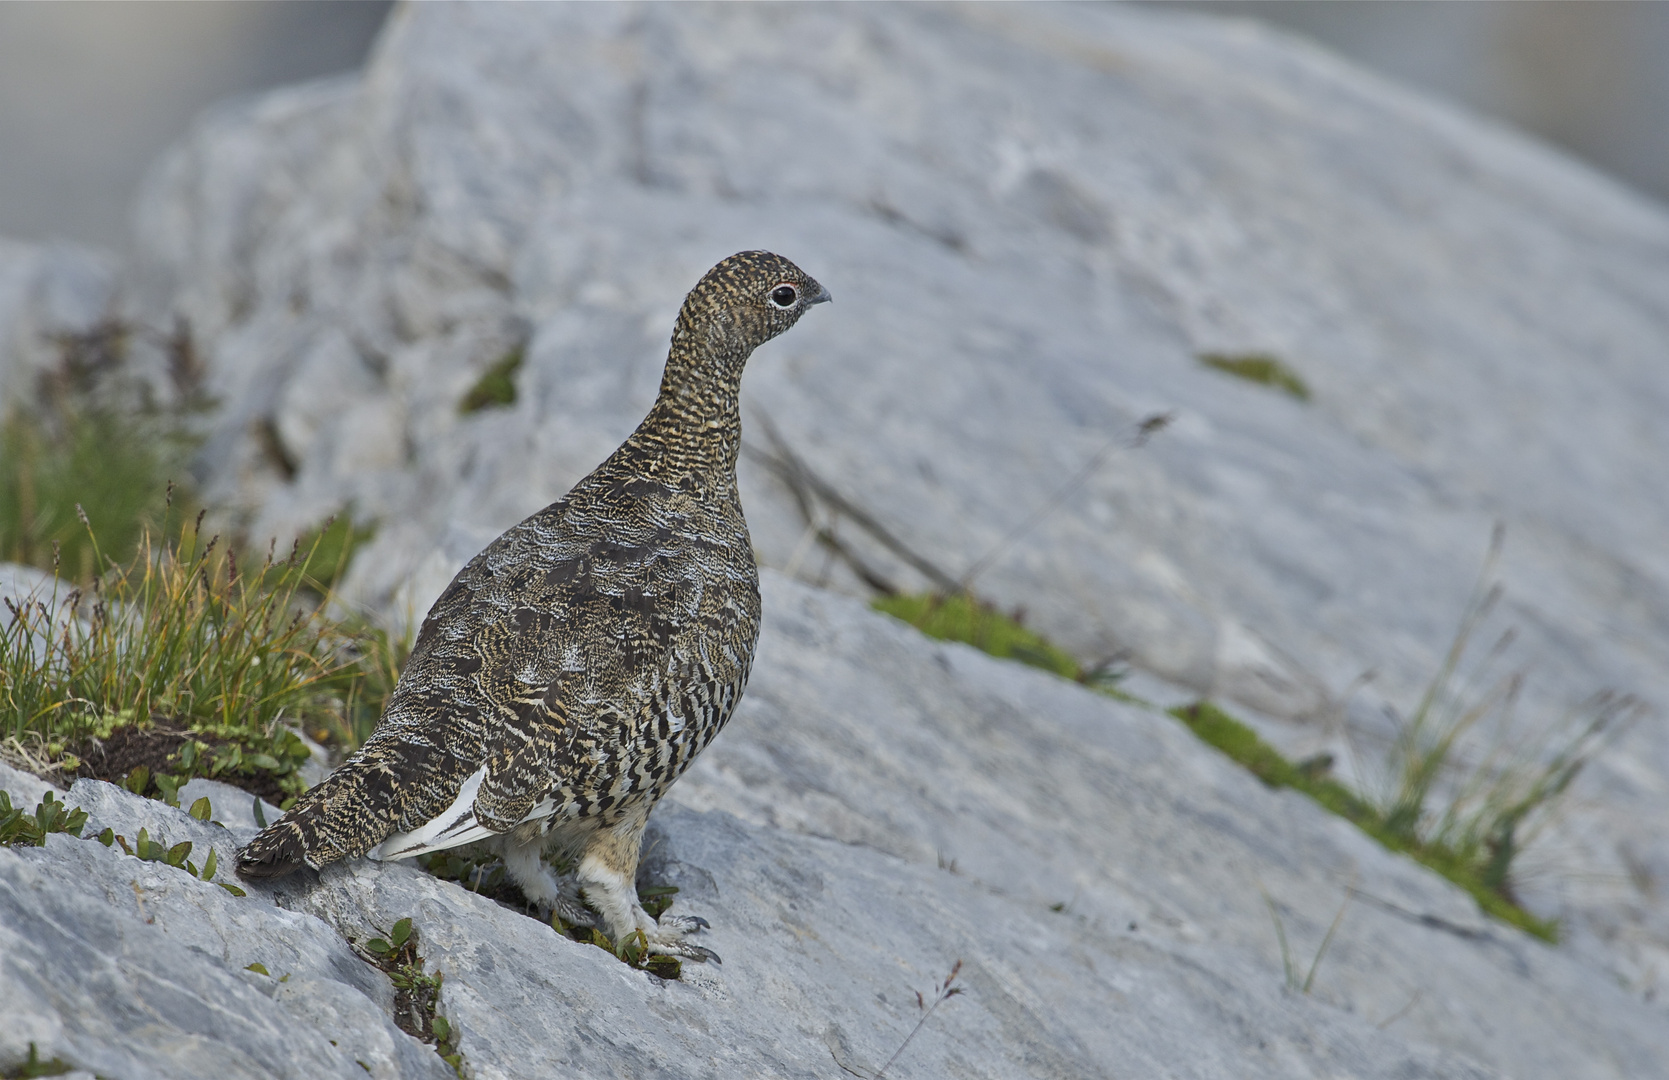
[743, 302]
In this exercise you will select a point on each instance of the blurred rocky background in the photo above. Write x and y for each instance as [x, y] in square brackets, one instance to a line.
[1211, 357]
[1592, 78]
[90, 93]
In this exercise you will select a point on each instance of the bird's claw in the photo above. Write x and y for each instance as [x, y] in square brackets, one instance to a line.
[686, 949]
[684, 924]
[667, 936]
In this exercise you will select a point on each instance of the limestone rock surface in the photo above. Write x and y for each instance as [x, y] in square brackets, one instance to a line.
[138, 969]
[46, 291]
[1035, 221]
[883, 807]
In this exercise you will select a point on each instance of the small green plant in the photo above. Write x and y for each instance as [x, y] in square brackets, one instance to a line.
[416, 993]
[51, 816]
[178, 855]
[656, 898]
[942, 992]
[496, 389]
[1291, 971]
[633, 950]
[1260, 368]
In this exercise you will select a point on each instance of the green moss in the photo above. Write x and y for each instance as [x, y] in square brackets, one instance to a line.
[1261, 368]
[963, 618]
[35, 1067]
[496, 389]
[1212, 725]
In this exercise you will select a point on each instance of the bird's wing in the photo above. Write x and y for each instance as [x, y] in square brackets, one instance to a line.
[452, 827]
[502, 793]
[542, 634]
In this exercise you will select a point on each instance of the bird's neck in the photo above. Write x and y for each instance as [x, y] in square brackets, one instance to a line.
[696, 422]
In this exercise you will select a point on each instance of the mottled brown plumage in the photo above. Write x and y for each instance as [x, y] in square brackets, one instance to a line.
[573, 669]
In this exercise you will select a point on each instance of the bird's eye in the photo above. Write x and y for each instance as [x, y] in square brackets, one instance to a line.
[783, 296]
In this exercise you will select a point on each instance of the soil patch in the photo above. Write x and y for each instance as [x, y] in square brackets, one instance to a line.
[157, 748]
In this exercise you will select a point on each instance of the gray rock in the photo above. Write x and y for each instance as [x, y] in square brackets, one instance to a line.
[825, 945]
[858, 730]
[46, 291]
[25, 789]
[137, 969]
[1035, 220]
[882, 807]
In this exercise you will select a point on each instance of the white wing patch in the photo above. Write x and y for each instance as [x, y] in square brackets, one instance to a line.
[452, 827]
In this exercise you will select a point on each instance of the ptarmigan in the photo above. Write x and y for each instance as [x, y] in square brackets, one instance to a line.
[573, 669]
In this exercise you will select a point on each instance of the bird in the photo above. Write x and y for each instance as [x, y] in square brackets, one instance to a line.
[573, 670]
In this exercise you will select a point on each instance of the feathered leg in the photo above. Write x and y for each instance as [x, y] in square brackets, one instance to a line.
[524, 863]
[607, 876]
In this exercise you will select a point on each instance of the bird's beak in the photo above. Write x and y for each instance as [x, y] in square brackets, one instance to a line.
[823, 296]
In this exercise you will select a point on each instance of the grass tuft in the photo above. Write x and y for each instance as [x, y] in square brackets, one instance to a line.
[180, 663]
[1473, 849]
[96, 440]
[1214, 726]
[96, 464]
[1260, 368]
[943, 991]
[1485, 811]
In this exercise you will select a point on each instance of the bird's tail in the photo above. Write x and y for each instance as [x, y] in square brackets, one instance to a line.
[279, 849]
[356, 807]
[312, 834]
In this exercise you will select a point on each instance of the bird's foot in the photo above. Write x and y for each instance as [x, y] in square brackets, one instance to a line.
[667, 935]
